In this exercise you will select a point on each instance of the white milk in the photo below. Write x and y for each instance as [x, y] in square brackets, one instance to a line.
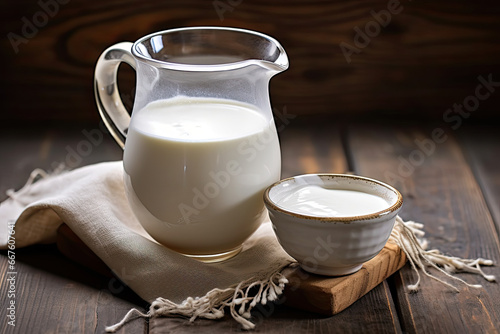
[195, 171]
[314, 200]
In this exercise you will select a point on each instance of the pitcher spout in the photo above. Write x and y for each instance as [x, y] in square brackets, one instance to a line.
[217, 49]
[274, 63]
[231, 63]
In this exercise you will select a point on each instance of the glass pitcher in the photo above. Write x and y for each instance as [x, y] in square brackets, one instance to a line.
[201, 145]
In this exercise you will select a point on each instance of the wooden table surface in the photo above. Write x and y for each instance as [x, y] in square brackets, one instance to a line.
[449, 181]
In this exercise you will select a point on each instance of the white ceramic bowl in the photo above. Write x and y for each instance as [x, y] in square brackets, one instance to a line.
[332, 245]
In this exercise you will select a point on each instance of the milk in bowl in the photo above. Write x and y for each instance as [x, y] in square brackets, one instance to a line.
[196, 169]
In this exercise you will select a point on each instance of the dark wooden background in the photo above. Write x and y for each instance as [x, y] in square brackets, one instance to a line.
[426, 59]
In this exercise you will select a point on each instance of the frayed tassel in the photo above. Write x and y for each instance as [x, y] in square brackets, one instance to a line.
[211, 306]
[35, 175]
[129, 316]
[406, 234]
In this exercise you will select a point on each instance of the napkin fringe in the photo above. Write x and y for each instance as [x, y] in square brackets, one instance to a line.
[240, 300]
[406, 236]
[35, 175]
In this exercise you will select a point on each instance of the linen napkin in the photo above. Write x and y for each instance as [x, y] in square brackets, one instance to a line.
[91, 200]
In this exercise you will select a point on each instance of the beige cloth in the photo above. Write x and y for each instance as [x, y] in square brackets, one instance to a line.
[92, 202]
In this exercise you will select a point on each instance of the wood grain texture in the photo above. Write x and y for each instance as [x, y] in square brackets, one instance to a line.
[308, 147]
[54, 294]
[442, 193]
[482, 149]
[426, 58]
[331, 295]
[374, 313]
[48, 146]
[445, 192]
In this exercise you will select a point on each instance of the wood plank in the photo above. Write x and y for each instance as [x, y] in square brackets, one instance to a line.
[443, 44]
[368, 315]
[440, 191]
[483, 152]
[47, 147]
[53, 294]
[308, 147]
[332, 295]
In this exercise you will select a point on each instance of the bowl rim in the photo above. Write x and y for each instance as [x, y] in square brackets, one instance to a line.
[391, 209]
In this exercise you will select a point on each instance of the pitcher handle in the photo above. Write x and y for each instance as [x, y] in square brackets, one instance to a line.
[111, 108]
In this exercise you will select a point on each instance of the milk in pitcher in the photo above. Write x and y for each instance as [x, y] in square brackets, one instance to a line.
[179, 156]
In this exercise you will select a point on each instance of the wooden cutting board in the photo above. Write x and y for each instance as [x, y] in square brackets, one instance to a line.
[331, 295]
[320, 294]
